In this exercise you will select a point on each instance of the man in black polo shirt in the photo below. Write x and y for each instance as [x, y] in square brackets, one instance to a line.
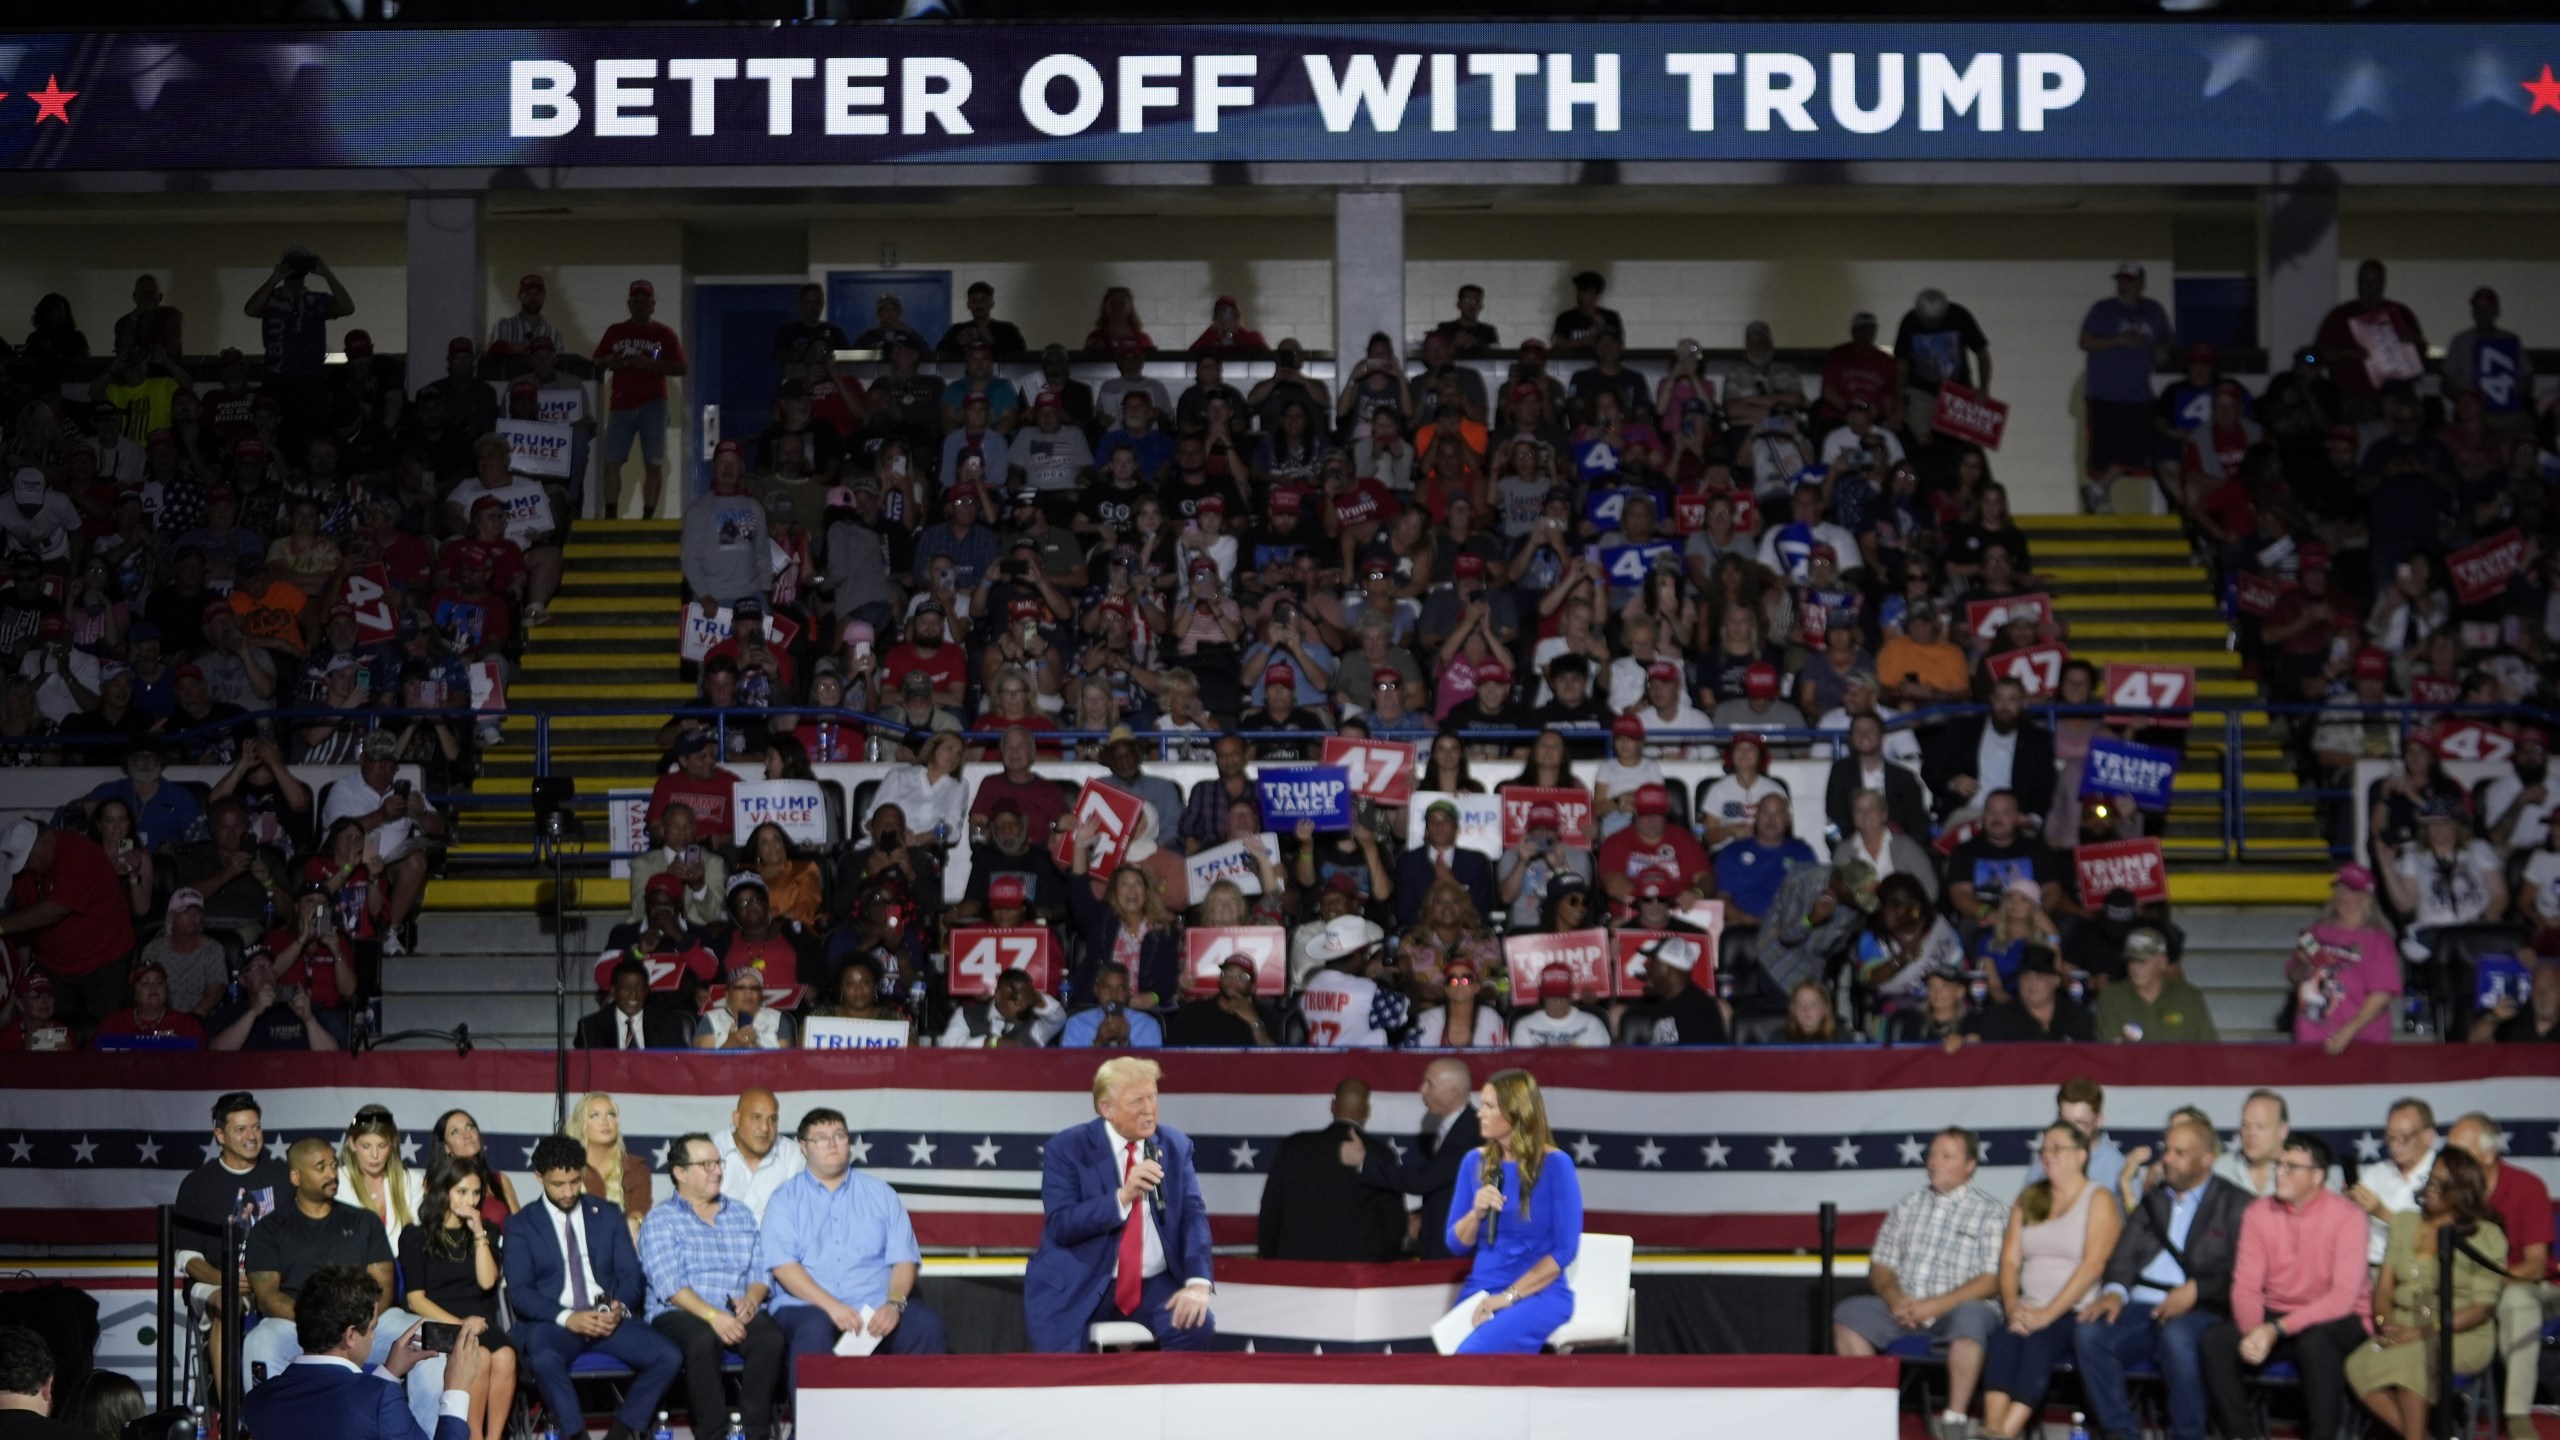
[2038, 1012]
[2002, 851]
[314, 1229]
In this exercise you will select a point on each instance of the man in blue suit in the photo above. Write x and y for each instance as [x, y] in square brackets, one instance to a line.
[1440, 854]
[575, 1285]
[329, 1392]
[1126, 1235]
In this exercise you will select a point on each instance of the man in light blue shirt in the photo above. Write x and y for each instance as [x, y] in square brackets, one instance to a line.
[2082, 1104]
[1109, 1021]
[2168, 1281]
[840, 1243]
[706, 1292]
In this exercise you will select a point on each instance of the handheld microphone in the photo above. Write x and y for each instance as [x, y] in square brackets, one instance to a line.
[1489, 1172]
[1148, 1150]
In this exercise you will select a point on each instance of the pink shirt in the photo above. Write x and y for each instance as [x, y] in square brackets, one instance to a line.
[2306, 1265]
[2334, 970]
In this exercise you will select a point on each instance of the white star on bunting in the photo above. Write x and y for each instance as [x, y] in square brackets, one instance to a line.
[212, 1148]
[408, 1151]
[276, 1150]
[1782, 1156]
[1844, 1156]
[861, 1150]
[2368, 1149]
[920, 1150]
[1242, 1153]
[986, 1151]
[1715, 1151]
[84, 1152]
[528, 1150]
[150, 1150]
[1648, 1155]
[1586, 1151]
[658, 1157]
[21, 1149]
[1913, 1151]
[1398, 1146]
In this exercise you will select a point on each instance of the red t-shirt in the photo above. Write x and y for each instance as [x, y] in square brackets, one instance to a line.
[948, 666]
[2523, 1204]
[2337, 332]
[352, 914]
[172, 1025]
[1039, 800]
[506, 563]
[712, 800]
[1677, 854]
[315, 969]
[1364, 500]
[2230, 507]
[409, 559]
[1859, 372]
[83, 880]
[641, 339]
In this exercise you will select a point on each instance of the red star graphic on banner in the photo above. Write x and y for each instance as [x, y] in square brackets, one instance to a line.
[53, 101]
[2545, 92]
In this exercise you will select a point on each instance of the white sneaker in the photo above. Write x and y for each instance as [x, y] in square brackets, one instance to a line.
[391, 944]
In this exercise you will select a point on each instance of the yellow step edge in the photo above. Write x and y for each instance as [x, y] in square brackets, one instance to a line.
[2069, 600]
[2141, 629]
[592, 892]
[634, 690]
[2034, 523]
[2101, 656]
[524, 724]
[598, 578]
[582, 551]
[540, 659]
[2109, 549]
[669, 528]
[504, 786]
[2288, 888]
[2129, 575]
[566, 604]
[556, 633]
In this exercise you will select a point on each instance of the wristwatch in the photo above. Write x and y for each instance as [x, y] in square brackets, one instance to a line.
[898, 1302]
[1510, 1297]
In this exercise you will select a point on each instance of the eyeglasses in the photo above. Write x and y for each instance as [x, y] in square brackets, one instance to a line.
[2297, 1166]
[2403, 1137]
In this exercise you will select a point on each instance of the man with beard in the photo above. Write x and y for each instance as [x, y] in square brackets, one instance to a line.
[1009, 854]
[2000, 750]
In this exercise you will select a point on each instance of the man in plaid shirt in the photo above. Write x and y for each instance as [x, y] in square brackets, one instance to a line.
[1935, 1271]
[698, 1249]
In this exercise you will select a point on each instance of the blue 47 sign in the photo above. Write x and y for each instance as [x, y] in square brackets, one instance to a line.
[2143, 774]
[1628, 565]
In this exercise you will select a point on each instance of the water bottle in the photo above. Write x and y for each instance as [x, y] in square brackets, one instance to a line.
[1724, 984]
[2079, 989]
[664, 1431]
[550, 1431]
[203, 1432]
[737, 1430]
[2079, 1426]
[1981, 989]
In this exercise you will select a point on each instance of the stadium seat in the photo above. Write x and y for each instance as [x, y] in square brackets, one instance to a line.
[1118, 1335]
[1604, 1297]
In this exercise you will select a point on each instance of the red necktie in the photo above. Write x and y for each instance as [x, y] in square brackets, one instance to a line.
[1128, 1291]
[630, 1037]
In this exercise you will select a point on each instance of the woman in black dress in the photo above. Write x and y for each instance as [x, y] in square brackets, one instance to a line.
[449, 1272]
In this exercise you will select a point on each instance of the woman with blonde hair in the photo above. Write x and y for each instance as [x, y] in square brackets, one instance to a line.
[1524, 1225]
[596, 1122]
[1127, 923]
[370, 1173]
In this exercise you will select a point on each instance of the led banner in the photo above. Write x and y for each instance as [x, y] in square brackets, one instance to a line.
[839, 95]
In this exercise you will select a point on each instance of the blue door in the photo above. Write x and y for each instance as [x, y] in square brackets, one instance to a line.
[734, 370]
[853, 299]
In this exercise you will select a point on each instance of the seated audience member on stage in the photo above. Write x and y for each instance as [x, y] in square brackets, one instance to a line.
[2300, 1291]
[1126, 1233]
[2529, 1299]
[1523, 1224]
[2168, 1282]
[573, 1283]
[309, 1230]
[449, 1273]
[753, 1164]
[706, 1291]
[26, 1390]
[2061, 1232]
[2395, 1372]
[1935, 1271]
[330, 1391]
[1325, 1198]
[839, 1243]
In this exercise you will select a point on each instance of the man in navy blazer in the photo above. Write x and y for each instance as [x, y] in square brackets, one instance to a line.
[1126, 1235]
[1421, 866]
[575, 1284]
[328, 1392]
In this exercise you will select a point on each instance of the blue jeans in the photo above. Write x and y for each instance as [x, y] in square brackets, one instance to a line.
[2107, 1348]
[2021, 1366]
[810, 1332]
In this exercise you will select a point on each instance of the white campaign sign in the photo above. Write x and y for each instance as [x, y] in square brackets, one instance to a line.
[827, 1032]
[798, 806]
[1231, 861]
[629, 811]
[1479, 820]
[535, 447]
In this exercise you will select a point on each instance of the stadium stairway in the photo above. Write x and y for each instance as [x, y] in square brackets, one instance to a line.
[2129, 587]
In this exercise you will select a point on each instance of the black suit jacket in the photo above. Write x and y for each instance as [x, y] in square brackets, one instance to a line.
[2031, 775]
[1904, 807]
[1438, 1175]
[28, 1425]
[2212, 1248]
[1313, 1208]
[660, 1029]
[1413, 883]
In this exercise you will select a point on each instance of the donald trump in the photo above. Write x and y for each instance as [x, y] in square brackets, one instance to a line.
[1127, 1234]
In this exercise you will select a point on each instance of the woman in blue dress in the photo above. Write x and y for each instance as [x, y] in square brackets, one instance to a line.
[1524, 1225]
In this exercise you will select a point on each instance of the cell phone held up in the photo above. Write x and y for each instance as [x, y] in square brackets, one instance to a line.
[438, 1338]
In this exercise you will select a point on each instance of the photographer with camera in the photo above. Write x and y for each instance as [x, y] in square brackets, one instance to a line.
[293, 320]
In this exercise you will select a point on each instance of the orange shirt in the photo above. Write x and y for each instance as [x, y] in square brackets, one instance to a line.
[1941, 666]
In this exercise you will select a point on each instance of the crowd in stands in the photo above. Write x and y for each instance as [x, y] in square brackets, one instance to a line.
[1529, 562]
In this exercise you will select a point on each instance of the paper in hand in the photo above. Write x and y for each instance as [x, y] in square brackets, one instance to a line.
[858, 1340]
[1453, 1327]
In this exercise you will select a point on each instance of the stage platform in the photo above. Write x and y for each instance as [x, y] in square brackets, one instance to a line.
[1289, 1397]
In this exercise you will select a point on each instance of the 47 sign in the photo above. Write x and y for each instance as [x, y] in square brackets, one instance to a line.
[981, 953]
[2150, 687]
[1380, 770]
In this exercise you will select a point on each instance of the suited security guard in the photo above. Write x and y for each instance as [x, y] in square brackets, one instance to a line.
[1331, 1195]
[1444, 1151]
[575, 1285]
[1127, 1234]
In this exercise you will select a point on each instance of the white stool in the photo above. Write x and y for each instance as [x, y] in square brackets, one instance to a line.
[1118, 1335]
